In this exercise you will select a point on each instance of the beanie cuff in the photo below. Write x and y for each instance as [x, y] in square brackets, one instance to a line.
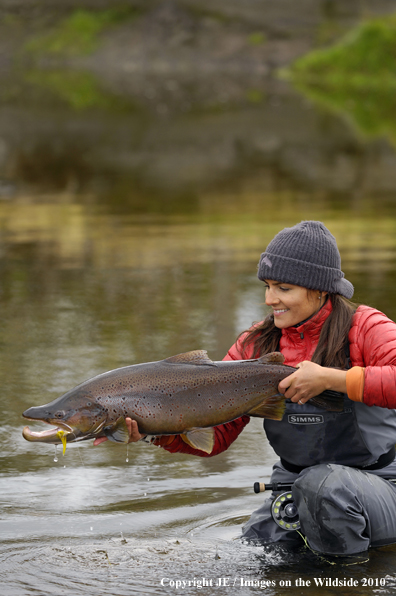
[302, 273]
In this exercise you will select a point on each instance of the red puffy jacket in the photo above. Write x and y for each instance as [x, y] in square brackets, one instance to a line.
[372, 342]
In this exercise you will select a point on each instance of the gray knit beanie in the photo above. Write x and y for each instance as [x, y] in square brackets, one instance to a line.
[305, 255]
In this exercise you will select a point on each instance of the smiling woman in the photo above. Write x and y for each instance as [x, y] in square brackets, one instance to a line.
[331, 458]
[292, 304]
[317, 329]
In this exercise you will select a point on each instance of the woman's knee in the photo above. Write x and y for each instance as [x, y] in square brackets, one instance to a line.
[325, 494]
[331, 514]
[315, 482]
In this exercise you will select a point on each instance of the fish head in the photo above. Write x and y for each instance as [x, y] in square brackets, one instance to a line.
[75, 416]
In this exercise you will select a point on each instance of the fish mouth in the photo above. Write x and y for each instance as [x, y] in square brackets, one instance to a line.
[61, 434]
[51, 435]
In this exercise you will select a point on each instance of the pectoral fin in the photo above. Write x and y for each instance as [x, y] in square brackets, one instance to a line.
[272, 407]
[118, 432]
[200, 438]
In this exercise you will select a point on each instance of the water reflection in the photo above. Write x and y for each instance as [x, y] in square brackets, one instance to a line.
[180, 164]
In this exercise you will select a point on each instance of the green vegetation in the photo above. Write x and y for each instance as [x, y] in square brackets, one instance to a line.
[257, 38]
[79, 90]
[78, 34]
[356, 76]
[368, 51]
[255, 96]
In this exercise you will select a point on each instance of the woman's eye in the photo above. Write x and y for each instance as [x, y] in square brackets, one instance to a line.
[284, 289]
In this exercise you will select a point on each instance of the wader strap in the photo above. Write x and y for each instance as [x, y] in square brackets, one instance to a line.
[382, 462]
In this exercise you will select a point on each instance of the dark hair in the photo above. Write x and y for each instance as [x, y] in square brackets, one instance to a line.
[333, 338]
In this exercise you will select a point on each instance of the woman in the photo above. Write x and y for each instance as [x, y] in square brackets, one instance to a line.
[340, 462]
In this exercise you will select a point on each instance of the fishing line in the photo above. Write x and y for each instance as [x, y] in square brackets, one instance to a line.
[326, 560]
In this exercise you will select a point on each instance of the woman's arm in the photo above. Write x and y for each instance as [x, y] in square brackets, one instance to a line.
[310, 380]
[225, 434]
[372, 378]
[373, 346]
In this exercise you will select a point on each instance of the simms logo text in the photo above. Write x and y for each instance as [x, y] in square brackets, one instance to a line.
[305, 419]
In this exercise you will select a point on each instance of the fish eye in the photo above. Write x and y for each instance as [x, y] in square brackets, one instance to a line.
[59, 414]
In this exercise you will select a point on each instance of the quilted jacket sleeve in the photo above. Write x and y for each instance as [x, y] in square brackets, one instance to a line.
[373, 345]
[225, 434]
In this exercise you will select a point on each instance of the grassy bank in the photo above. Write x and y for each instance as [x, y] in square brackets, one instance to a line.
[78, 34]
[356, 76]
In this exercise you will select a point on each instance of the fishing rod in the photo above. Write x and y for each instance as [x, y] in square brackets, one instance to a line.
[260, 487]
[283, 509]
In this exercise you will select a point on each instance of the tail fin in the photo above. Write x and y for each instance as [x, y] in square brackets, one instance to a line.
[272, 407]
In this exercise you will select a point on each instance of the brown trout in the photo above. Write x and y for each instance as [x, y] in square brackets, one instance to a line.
[187, 394]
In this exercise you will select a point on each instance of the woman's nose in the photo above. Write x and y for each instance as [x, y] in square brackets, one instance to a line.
[270, 297]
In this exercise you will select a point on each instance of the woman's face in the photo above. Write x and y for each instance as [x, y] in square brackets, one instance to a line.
[291, 304]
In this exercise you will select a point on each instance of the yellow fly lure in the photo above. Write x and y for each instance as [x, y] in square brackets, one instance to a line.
[61, 435]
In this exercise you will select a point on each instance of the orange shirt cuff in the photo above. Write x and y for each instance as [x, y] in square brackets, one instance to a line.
[355, 383]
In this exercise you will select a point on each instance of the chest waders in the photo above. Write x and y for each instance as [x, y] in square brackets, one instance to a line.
[319, 480]
[307, 436]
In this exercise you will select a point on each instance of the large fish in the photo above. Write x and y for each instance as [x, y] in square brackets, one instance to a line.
[187, 394]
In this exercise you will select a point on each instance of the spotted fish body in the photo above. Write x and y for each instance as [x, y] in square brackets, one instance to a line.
[190, 391]
[179, 395]
[187, 394]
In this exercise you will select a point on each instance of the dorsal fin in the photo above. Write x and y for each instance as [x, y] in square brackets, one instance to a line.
[195, 357]
[271, 358]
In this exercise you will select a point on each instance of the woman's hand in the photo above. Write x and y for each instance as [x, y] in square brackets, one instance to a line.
[134, 434]
[310, 380]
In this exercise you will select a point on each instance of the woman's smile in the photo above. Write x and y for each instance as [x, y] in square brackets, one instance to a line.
[291, 304]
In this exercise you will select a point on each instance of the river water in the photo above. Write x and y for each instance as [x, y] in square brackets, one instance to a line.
[129, 237]
[84, 291]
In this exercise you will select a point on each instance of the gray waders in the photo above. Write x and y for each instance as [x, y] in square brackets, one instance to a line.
[346, 506]
[342, 510]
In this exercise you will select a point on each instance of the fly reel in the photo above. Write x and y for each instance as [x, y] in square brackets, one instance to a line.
[284, 512]
[283, 509]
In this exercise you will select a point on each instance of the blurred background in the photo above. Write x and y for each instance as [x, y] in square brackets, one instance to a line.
[149, 151]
